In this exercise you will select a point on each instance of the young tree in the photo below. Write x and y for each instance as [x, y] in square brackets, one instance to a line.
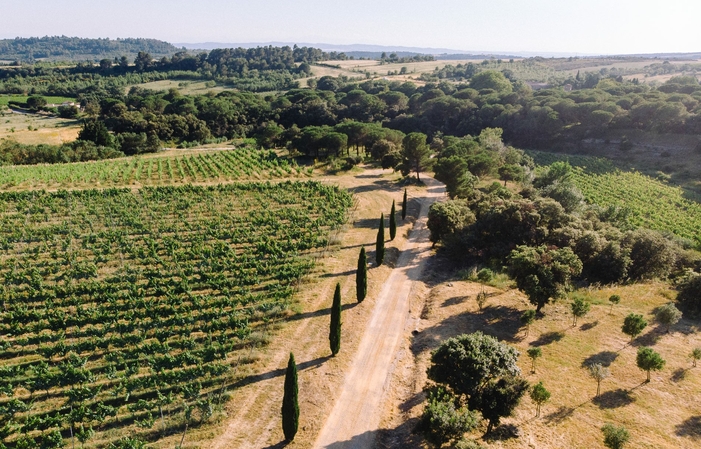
[668, 315]
[539, 395]
[649, 360]
[695, 355]
[633, 325]
[290, 405]
[533, 354]
[613, 299]
[380, 244]
[361, 276]
[598, 372]
[335, 330]
[579, 308]
[415, 154]
[392, 222]
[404, 201]
[528, 318]
[499, 398]
[615, 437]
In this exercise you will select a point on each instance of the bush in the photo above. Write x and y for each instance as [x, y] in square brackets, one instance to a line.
[485, 275]
[615, 437]
[689, 296]
[444, 421]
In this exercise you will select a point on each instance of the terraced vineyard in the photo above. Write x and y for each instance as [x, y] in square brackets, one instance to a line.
[127, 312]
[224, 165]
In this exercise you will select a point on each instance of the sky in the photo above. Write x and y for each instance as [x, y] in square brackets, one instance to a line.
[575, 27]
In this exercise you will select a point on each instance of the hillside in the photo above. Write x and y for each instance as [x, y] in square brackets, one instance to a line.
[63, 48]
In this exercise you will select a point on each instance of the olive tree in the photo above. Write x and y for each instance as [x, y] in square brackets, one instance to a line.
[668, 315]
[649, 360]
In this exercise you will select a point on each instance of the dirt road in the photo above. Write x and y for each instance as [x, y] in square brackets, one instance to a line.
[356, 415]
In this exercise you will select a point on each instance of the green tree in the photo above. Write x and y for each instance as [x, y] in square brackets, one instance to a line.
[466, 363]
[443, 420]
[534, 354]
[380, 243]
[361, 276]
[95, 131]
[511, 172]
[416, 155]
[454, 172]
[392, 222]
[539, 395]
[543, 273]
[499, 398]
[528, 318]
[614, 299]
[615, 437]
[668, 315]
[36, 102]
[404, 201]
[579, 308]
[649, 360]
[633, 325]
[695, 355]
[448, 217]
[335, 330]
[290, 403]
[143, 61]
[491, 79]
[598, 372]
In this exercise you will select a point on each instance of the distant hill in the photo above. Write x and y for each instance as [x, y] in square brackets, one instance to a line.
[63, 48]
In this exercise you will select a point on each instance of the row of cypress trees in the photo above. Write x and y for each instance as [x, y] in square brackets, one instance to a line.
[290, 399]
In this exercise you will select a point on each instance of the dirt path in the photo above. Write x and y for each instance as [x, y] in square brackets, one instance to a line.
[356, 414]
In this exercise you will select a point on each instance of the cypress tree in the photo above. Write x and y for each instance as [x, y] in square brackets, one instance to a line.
[335, 330]
[392, 223]
[380, 245]
[290, 405]
[404, 206]
[361, 276]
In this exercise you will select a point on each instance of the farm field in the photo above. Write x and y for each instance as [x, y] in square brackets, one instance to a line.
[129, 312]
[173, 167]
[36, 129]
[5, 99]
[184, 87]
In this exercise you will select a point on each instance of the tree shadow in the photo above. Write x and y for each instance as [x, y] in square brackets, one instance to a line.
[605, 358]
[614, 399]
[371, 223]
[377, 185]
[588, 326]
[279, 445]
[502, 433]
[415, 400]
[561, 414]
[679, 374]
[278, 372]
[333, 275]
[649, 339]
[690, 428]
[318, 313]
[455, 300]
[548, 338]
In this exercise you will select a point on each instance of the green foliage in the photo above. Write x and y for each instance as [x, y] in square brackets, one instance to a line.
[467, 362]
[614, 299]
[361, 276]
[579, 308]
[415, 154]
[447, 217]
[649, 360]
[527, 318]
[380, 242]
[128, 443]
[534, 353]
[96, 132]
[443, 420]
[689, 296]
[615, 437]
[540, 395]
[335, 327]
[491, 79]
[404, 205]
[499, 398]
[633, 325]
[392, 222]
[695, 355]
[485, 275]
[543, 273]
[290, 401]
[668, 315]
[13, 153]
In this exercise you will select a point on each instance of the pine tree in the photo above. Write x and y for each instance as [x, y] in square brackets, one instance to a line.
[380, 246]
[290, 405]
[361, 276]
[392, 222]
[335, 330]
[404, 206]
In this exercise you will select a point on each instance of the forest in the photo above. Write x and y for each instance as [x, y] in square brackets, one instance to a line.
[63, 48]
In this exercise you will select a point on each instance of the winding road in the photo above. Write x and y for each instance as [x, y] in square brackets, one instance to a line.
[356, 415]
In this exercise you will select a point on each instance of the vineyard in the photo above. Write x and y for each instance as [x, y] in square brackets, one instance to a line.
[128, 312]
[223, 165]
[652, 204]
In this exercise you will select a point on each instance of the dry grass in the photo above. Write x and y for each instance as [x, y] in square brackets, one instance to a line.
[44, 128]
[661, 414]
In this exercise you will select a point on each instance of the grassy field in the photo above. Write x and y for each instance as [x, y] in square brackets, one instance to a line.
[185, 87]
[659, 414]
[172, 167]
[36, 128]
[5, 99]
[130, 312]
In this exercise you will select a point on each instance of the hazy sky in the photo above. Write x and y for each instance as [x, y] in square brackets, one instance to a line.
[582, 26]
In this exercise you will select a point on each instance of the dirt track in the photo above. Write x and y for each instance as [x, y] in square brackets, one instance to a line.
[356, 414]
